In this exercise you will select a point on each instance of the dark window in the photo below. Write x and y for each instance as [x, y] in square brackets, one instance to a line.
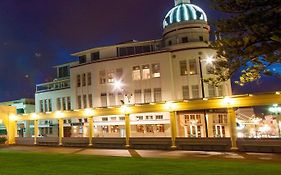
[82, 59]
[184, 39]
[201, 38]
[20, 111]
[170, 43]
[95, 56]
[63, 72]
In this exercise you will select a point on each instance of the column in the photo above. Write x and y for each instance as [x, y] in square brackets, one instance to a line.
[36, 131]
[128, 130]
[173, 128]
[60, 131]
[91, 130]
[232, 128]
[12, 131]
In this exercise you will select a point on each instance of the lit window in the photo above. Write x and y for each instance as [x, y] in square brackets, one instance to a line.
[136, 73]
[192, 67]
[102, 77]
[160, 128]
[183, 67]
[140, 128]
[145, 72]
[139, 118]
[110, 76]
[156, 70]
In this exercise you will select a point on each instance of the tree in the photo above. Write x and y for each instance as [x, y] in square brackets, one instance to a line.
[249, 40]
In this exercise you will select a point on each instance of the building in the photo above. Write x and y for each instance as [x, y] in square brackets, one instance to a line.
[141, 72]
[23, 106]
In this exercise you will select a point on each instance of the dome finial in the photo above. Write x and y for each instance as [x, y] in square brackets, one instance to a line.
[177, 2]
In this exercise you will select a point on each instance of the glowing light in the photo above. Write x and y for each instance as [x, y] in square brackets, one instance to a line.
[205, 99]
[89, 112]
[277, 93]
[125, 109]
[265, 128]
[1, 121]
[59, 114]
[209, 60]
[274, 109]
[228, 101]
[251, 95]
[170, 106]
[118, 84]
[34, 116]
[13, 117]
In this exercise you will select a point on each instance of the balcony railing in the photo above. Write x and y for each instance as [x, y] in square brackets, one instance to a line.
[52, 86]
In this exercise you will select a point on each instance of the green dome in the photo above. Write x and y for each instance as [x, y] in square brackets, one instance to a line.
[184, 12]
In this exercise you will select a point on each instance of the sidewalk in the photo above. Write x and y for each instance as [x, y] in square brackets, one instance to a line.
[256, 157]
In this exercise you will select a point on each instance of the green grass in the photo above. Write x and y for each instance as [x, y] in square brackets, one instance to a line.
[12, 163]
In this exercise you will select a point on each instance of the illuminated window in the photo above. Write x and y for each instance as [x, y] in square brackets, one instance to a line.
[195, 91]
[185, 92]
[211, 90]
[89, 78]
[136, 73]
[157, 95]
[220, 119]
[137, 95]
[78, 79]
[139, 118]
[183, 67]
[149, 129]
[159, 117]
[160, 128]
[102, 77]
[115, 129]
[147, 95]
[156, 70]
[84, 80]
[140, 128]
[192, 67]
[110, 76]
[145, 72]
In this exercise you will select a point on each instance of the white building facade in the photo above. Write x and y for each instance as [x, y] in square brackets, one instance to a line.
[168, 69]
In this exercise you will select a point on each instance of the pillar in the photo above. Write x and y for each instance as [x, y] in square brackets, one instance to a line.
[12, 131]
[128, 130]
[60, 131]
[36, 130]
[173, 128]
[232, 128]
[91, 130]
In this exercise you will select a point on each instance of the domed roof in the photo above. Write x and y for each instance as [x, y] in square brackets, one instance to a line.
[184, 12]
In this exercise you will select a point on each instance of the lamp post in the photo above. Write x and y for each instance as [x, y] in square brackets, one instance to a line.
[209, 60]
[275, 109]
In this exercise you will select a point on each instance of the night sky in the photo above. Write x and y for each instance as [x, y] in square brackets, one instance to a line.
[35, 35]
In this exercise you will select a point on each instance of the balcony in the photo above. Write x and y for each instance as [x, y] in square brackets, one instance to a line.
[53, 86]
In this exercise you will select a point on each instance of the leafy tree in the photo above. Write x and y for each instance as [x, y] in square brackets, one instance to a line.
[249, 40]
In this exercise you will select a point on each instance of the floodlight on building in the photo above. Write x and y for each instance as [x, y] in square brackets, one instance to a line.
[34, 116]
[118, 85]
[59, 114]
[1, 121]
[13, 117]
[205, 99]
[89, 112]
[275, 109]
[170, 106]
[277, 93]
[210, 60]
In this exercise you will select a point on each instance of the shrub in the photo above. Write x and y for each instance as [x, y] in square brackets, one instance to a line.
[3, 140]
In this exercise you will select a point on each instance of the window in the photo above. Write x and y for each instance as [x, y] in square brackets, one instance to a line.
[84, 101]
[102, 77]
[104, 119]
[157, 95]
[103, 99]
[201, 38]
[139, 118]
[220, 119]
[123, 51]
[183, 67]
[45, 105]
[63, 71]
[149, 117]
[212, 91]
[220, 91]
[68, 103]
[160, 128]
[119, 74]
[41, 106]
[192, 67]
[79, 102]
[58, 104]
[137, 95]
[159, 117]
[112, 99]
[149, 129]
[89, 79]
[90, 100]
[110, 76]
[147, 95]
[192, 119]
[121, 118]
[195, 91]
[50, 105]
[84, 80]
[184, 39]
[64, 103]
[140, 128]
[145, 72]
[156, 70]
[185, 92]
[170, 43]
[95, 56]
[78, 80]
[136, 73]
[82, 59]
[120, 98]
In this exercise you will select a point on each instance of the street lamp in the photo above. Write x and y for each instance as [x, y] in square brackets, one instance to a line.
[276, 110]
[208, 60]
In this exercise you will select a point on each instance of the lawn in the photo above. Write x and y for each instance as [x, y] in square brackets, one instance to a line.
[12, 163]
